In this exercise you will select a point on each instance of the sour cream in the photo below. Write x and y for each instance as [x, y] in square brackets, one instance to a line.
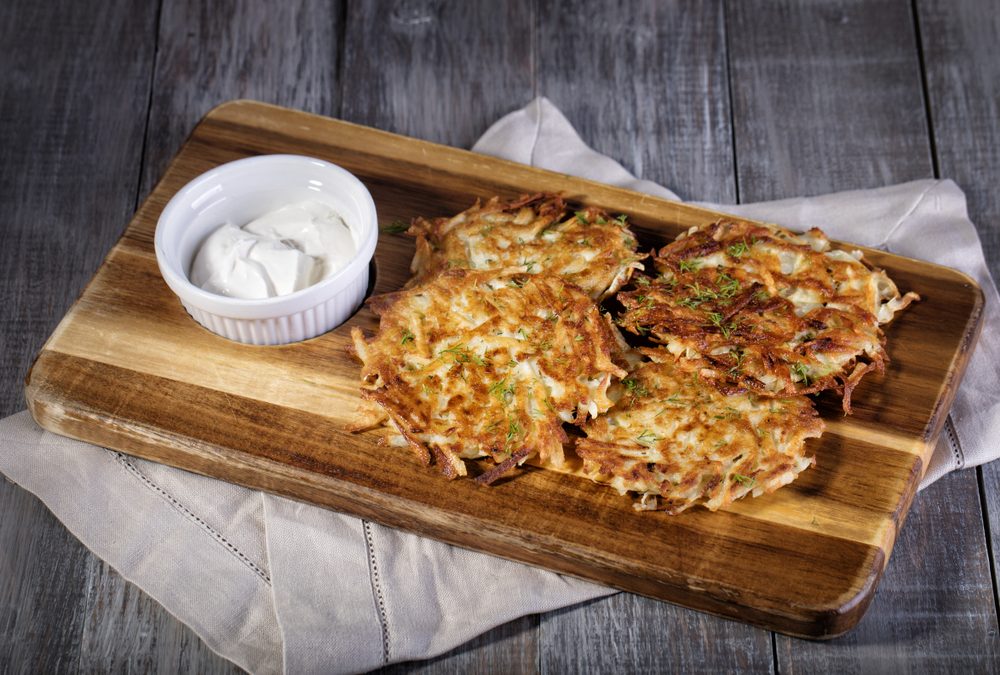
[279, 253]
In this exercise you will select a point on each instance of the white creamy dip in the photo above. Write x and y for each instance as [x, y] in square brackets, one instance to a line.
[279, 253]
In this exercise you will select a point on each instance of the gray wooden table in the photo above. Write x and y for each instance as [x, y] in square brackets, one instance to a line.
[727, 101]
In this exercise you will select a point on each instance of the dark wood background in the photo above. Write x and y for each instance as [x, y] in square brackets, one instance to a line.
[744, 100]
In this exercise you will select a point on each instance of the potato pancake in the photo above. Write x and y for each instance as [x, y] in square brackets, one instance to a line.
[765, 309]
[532, 234]
[675, 440]
[484, 363]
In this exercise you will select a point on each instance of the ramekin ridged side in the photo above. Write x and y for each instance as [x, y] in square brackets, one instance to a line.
[294, 327]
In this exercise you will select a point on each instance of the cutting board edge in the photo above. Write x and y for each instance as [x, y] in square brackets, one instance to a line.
[75, 420]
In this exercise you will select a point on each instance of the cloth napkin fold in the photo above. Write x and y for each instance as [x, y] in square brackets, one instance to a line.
[279, 586]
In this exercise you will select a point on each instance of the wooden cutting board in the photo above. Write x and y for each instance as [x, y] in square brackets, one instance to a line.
[128, 369]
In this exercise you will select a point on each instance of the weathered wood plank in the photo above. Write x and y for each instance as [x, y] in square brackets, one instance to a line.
[74, 88]
[212, 52]
[42, 586]
[441, 71]
[826, 96]
[127, 631]
[510, 648]
[838, 107]
[68, 175]
[628, 633]
[646, 84]
[444, 72]
[963, 90]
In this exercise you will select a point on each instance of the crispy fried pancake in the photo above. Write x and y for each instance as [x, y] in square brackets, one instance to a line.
[532, 234]
[485, 363]
[765, 309]
[675, 440]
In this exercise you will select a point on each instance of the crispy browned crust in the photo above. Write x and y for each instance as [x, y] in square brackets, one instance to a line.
[532, 234]
[766, 310]
[473, 364]
[674, 440]
[496, 343]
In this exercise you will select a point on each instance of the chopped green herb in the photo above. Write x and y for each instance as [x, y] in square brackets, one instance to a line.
[407, 336]
[738, 356]
[642, 280]
[582, 217]
[647, 437]
[513, 430]
[621, 219]
[728, 287]
[738, 249]
[741, 479]
[724, 328]
[396, 227]
[673, 399]
[462, 355]
[503, 390]
[634, 387]
[802, 372]
[548, 228]
[700, 294]
[689, 265]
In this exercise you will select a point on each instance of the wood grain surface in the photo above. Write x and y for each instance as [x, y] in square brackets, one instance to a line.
[128, 369]
[75, 98]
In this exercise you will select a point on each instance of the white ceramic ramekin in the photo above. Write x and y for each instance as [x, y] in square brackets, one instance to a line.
[240, 191]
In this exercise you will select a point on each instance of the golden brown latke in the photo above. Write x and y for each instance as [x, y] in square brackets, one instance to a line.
[674, 440]
[531, 234]
[765, 309]
[485, 363]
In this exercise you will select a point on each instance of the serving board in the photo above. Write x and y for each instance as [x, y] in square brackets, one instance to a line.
[128, 369]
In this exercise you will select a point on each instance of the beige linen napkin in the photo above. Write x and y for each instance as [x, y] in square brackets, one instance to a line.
[275, 585]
